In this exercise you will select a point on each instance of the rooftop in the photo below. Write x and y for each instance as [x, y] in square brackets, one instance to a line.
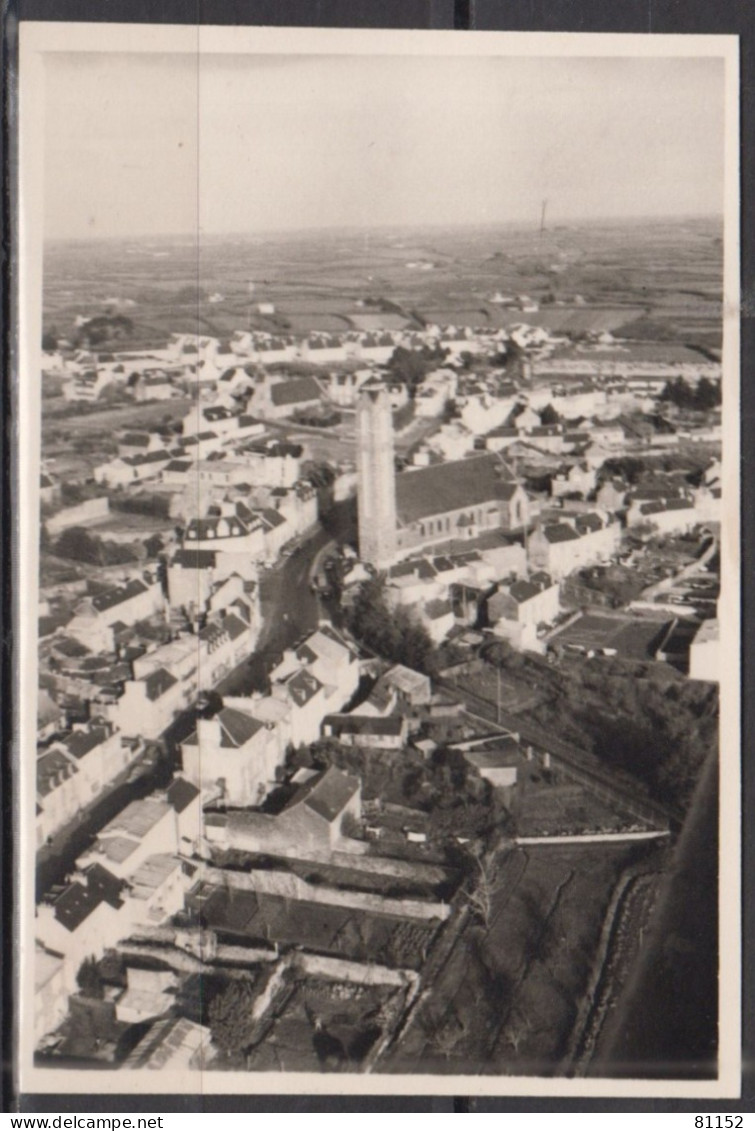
[451, 486]
[296, 391]
[327, 795]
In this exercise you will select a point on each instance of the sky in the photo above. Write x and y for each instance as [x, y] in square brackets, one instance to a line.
[158, 144]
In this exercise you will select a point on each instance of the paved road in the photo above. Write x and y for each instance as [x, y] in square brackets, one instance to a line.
[291, 610]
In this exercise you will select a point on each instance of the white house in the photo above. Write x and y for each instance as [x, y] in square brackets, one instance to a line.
[517, 609]
[232, 756]
[559, 548]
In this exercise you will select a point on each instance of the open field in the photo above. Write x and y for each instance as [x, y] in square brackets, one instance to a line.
[624, 274]
[506, 1000]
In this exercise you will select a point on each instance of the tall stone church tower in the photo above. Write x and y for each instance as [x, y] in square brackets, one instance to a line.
[376, 477]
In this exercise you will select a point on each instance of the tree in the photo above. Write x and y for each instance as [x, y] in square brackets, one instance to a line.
[88, 979]
[154, 546]
[486, 885]
[448, 1034]
[412, 366]
[394, 634]
[77, 544]
[231, 1020]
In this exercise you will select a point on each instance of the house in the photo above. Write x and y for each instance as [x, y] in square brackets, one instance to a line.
[271, 462]
[95, 615]
[148, 994]
[438, 618]
[413, 688]
[451, 442]
[315, 679]
[50, 715]
[277, 399]
[608, 433]
[315, 820]
[381, 701]
[152, 385]
[579, 479]
[237, 380]
[61, 793]
[368, 732]
[139, 443]
[150, 703]
[558, 548]
[307, 699]
[377, 348]
[323, 349]
[435, 391]
[125, 470]
[665, 515]
[191, 575]
[496, 760]
[100, 752]
[413, 582]
[500, 438]
[156, 890]
[232, 756]
[612, 494]
[81, 921]
[224, 642]
[707, 501]
[516, 610]
[704, 653]
[88, 385]
[204, 418]
[184, 798]
[230, 528]
[162, 823]
[76, 769]
[343, 388]
[200, 445]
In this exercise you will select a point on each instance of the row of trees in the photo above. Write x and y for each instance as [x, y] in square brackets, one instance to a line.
[701, 397]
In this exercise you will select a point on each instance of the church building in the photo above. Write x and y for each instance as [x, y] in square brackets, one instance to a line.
[460, 499]
[422, 507]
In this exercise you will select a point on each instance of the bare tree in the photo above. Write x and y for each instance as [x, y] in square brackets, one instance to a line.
[517, 1029]
[484, 889]
[447, 1033]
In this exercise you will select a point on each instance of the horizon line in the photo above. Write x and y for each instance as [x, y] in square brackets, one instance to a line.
[263, 233]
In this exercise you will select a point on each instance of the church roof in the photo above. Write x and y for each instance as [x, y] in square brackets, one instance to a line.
[451, 486]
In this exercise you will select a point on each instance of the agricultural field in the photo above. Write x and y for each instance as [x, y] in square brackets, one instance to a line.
[659, 280]
[327, 1026]
[360, 936]
[631, 638]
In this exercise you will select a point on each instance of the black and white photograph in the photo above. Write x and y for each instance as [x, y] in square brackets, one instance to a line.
[379, 537]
